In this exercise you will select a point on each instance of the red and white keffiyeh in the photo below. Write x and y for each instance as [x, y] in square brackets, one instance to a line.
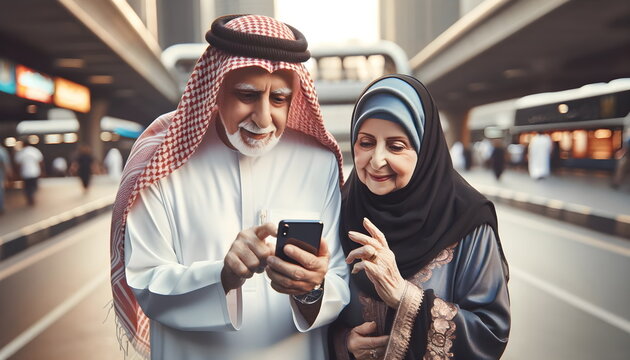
[172, 138]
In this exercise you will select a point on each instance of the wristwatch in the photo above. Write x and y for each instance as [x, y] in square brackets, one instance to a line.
[310, 297]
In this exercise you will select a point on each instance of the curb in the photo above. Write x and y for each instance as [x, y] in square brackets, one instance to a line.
[20, 240]
[618, 225]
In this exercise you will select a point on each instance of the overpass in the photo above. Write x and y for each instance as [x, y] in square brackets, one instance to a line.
[101, 45]
[505, 49]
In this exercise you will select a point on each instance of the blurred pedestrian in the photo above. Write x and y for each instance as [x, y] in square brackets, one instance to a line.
[623, 162]
[497, 158]
[516, 153]
[83, 166]
[113, 163]
[5, 173]
[539, 156]
[31, 163]
[60, 166]
[457, 156]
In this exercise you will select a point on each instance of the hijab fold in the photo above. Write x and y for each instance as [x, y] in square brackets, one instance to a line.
[437, 208]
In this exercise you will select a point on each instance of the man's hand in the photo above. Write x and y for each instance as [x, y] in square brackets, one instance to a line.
[363, 346]
[248, 255]
[292, 279]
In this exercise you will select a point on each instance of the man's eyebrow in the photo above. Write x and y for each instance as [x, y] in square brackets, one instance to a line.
[246, 87]
[283, 91]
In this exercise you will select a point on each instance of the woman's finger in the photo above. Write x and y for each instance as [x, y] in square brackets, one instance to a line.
[360, 266]
[366, 252]
[363, 239]
[375, 232]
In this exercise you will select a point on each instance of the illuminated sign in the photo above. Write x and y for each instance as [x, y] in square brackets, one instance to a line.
[7, 76]
[33, 85]
[71, 95]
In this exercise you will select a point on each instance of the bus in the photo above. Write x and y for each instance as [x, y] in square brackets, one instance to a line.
[586, 124]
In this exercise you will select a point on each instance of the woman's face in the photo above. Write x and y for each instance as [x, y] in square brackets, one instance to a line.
[383, 156]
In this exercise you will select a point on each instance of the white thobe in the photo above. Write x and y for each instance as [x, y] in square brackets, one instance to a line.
[539, 156]
[180, 229]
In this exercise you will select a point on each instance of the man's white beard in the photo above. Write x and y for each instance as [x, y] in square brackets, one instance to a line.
[252, 147]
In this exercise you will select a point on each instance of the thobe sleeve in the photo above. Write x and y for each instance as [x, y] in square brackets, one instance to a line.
[179, 296]
[476, 324]
[336, 291]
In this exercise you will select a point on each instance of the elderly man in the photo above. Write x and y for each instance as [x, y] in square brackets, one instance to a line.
[202, 194]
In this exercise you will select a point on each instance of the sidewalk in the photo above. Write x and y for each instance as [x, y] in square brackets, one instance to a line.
[579, 197]
[60, 203]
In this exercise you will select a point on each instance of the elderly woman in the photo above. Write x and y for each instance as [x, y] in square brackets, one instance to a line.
[429, 278]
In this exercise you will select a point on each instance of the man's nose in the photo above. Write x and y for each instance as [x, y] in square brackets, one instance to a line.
[262, 113]
[378, 159]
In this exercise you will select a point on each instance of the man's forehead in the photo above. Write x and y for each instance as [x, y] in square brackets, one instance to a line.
[253, 78]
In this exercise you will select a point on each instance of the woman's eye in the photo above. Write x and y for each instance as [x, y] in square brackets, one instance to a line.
[365, 144]
[396, 147]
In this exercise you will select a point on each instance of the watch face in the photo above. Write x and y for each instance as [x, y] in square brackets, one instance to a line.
[310, 298]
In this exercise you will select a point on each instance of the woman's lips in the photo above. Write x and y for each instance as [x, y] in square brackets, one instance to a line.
[380, 178]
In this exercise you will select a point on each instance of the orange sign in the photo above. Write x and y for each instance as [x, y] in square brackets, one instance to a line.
[33, 85]
[71, 95]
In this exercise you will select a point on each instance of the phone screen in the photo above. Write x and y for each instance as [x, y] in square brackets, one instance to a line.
[305, 234]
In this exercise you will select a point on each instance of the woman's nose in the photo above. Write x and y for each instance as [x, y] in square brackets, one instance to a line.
[378, 159]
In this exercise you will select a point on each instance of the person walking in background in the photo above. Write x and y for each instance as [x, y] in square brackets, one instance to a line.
[31, 163]
[113, 163]
[60, 166]
[498, 158]
[623, 162]
[457, 156]
[429, 277]
[5, 173]
[83, 166]
[539, 156]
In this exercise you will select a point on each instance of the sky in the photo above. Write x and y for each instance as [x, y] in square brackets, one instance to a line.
[326, 21]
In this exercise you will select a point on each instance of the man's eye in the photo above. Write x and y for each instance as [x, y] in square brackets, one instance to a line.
[247, 96]
[279, 99]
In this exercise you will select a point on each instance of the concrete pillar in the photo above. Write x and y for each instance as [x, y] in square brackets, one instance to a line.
[90, 127]
[458, 125]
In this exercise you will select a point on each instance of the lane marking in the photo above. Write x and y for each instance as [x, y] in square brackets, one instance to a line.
[566, 234]
[42, 324]
[59, 218]
[587, 307]
[59, 242]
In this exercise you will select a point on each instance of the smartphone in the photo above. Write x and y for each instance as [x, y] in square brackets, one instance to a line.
[305, 234]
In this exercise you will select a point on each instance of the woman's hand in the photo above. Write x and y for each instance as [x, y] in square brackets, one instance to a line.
[378, 262]
[365, 347]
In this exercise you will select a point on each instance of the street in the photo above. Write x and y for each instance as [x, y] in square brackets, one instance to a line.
[569, 300]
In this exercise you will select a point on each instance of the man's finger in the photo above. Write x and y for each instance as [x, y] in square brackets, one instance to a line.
[303, 257]
[323, 248]
[289, 270]
[266, 229]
